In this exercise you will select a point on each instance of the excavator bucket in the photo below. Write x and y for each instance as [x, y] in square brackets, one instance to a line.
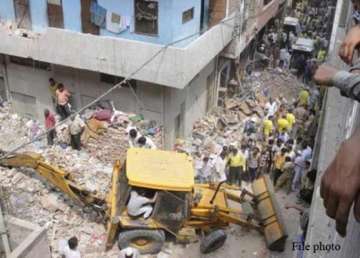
[269, 214]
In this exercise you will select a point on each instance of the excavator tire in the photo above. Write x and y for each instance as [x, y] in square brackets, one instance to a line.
[212, 241]
[145, 240]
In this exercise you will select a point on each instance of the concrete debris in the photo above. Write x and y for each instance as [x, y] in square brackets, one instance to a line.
[224, 126]
[33, 199]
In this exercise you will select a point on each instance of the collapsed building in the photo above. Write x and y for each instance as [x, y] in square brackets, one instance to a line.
[31, 199]
[184, 65]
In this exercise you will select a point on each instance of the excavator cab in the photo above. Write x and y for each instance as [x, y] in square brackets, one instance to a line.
[183, 208]
[170, 176]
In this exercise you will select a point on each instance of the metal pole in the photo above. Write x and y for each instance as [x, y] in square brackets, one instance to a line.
[3, 233]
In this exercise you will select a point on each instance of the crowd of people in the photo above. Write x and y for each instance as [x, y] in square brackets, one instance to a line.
[279, 145]
[314, 19]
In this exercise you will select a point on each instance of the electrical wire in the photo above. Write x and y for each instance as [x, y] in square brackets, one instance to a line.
[116, 86]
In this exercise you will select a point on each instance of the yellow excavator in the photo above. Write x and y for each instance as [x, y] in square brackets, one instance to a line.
[183, 209]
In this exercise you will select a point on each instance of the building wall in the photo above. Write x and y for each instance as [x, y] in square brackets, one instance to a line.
[27, 240]
[72, 9]
[7, 11]
[192, 101]
[38, 14]
[30, 93]
[340, 119]
[170, 26]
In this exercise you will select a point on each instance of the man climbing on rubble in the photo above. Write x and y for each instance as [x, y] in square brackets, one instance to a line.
[146, 142]
[49, 126]
[139, 205]
[76, 128]
[134, 136]
[271, 107]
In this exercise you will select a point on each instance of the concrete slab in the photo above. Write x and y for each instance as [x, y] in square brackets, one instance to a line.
[27, 240]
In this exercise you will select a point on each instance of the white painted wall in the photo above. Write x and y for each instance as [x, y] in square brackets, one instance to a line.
[85, 86]
[155, 102]
[174, 67]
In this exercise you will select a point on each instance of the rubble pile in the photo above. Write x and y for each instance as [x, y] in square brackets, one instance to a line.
[31, 198]
[112, 144]
[224, 126]
[275, 82]
[13, 129]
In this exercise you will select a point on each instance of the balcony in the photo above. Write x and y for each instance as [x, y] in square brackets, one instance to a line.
[172, 67]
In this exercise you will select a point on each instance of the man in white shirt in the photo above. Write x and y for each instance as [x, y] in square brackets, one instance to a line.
[140, 205]
[271, 106]
[205, 172]
[129, 252]
[68, 249]
[134, 136]
[146, 142]
[220, 166]
[76, 128]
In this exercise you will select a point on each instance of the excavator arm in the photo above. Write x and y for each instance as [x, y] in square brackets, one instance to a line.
[57, 177]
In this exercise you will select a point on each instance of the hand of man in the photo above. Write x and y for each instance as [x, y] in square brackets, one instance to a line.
[351, 41]
[340, 184]
[324, 75]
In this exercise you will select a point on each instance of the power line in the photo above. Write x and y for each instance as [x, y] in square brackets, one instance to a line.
[116, 86]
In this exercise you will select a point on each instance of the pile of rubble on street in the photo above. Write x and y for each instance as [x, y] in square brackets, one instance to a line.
[33, 199]
[224, 125]
[30, 198]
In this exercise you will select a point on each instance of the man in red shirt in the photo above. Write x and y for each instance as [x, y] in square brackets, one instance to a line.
[49, 125]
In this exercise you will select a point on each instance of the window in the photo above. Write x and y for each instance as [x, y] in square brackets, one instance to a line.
[55, 13]
[146, 17]
[30, 62]
[188, 15]
[112, 79]
[22, 14]
[87, 25]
